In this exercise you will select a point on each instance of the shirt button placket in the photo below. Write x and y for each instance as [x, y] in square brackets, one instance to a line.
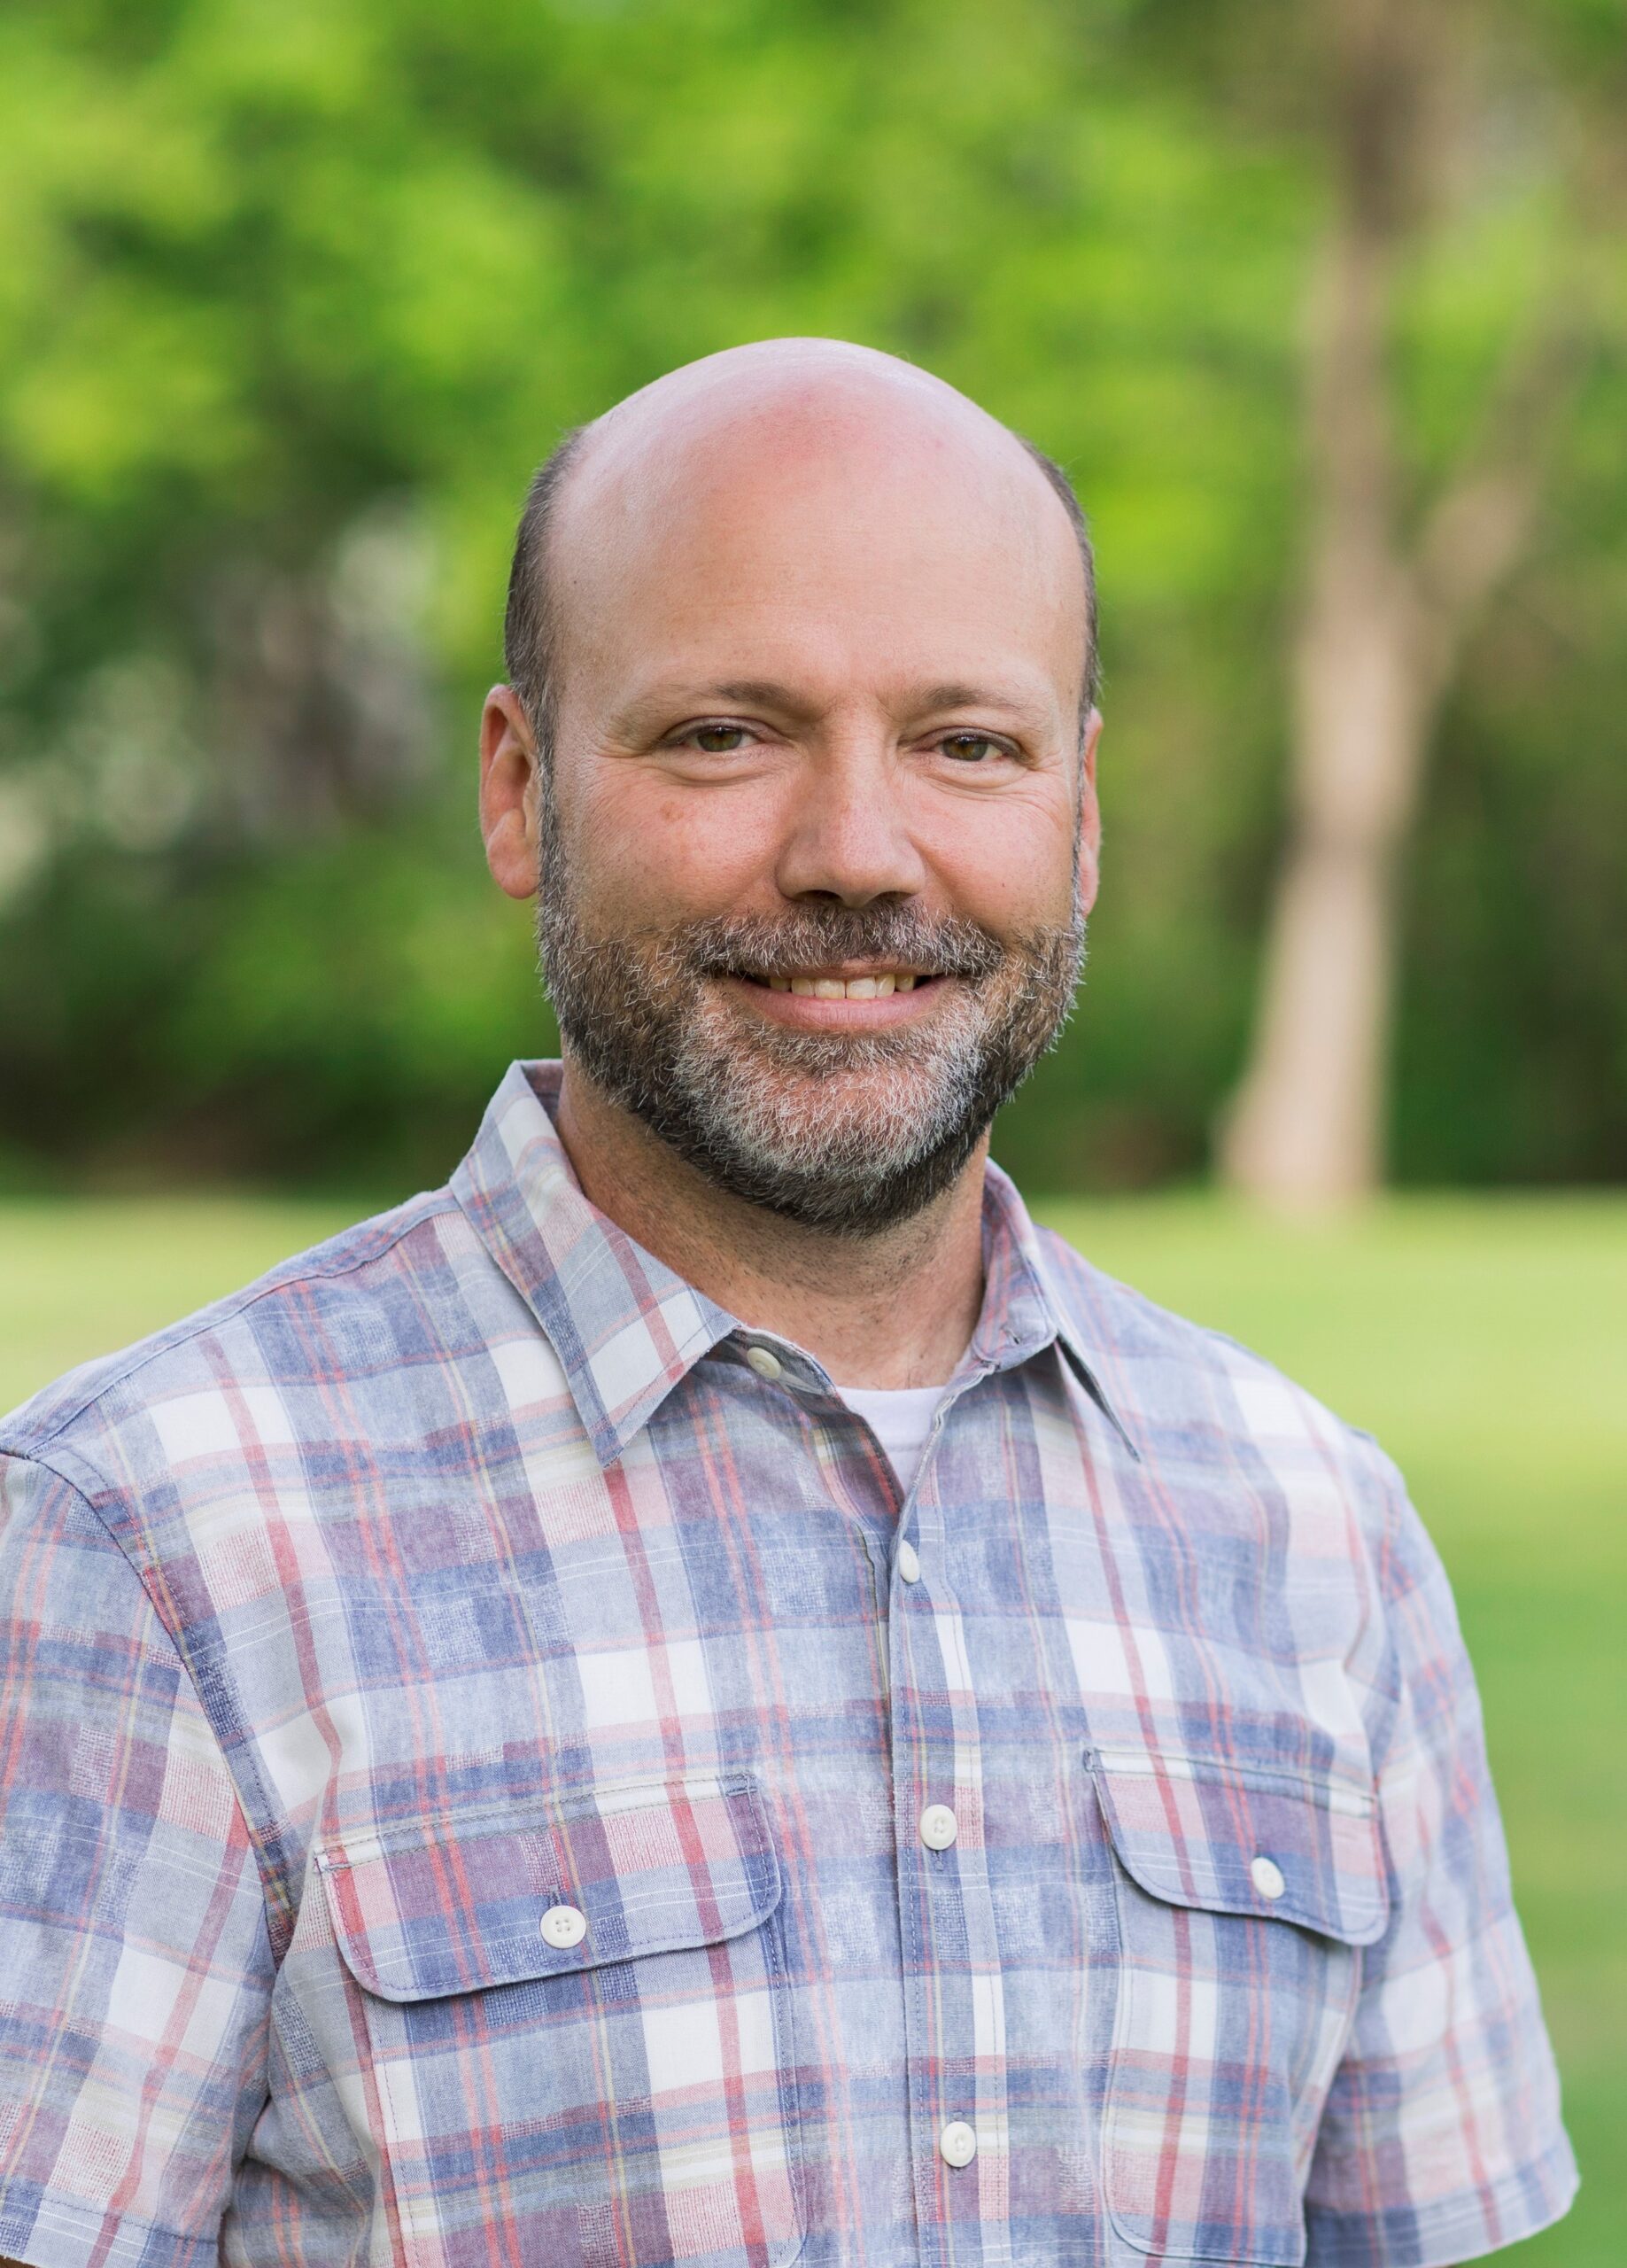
[944, 1941]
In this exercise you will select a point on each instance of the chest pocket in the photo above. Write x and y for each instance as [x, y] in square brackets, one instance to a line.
[576, 2028]
[1243, 1897]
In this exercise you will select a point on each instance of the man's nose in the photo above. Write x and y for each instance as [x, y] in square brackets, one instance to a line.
[849, 836]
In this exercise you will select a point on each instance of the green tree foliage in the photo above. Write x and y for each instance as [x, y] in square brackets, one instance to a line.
[292, 298]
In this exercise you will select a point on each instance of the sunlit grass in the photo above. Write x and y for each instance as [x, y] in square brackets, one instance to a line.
[1485, 1342]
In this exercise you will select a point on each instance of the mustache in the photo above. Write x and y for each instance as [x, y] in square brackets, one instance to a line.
[819, 937]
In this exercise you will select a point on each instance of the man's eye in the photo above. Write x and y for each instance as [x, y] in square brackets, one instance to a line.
[719, 740]
[971, 747]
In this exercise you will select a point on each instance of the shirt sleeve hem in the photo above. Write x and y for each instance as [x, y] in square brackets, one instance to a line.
[48, 2232]
[1518, 2204]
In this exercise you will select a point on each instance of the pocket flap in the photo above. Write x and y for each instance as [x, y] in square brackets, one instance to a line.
[1209, 1832]
[454, 1903]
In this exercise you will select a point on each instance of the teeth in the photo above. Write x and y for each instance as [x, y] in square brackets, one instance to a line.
[833, 988]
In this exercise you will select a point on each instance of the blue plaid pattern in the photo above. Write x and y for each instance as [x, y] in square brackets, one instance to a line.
[466, 1743]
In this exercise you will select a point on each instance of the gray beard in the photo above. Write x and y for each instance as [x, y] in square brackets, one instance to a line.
[847, 1135]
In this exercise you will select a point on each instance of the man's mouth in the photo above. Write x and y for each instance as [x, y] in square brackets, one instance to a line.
[827, 984]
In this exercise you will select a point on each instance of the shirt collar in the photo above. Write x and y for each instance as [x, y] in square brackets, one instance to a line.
[1022, 1295]
[626, 1328]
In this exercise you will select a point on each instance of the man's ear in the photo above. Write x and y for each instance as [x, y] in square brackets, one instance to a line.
[1089, 815]
[510, 792]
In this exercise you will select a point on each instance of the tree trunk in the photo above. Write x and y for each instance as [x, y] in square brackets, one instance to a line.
[1306, 1133]
[1306, 1129]
[1383, 631]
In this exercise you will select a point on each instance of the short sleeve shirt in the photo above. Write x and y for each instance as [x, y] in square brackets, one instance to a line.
[497, 1770]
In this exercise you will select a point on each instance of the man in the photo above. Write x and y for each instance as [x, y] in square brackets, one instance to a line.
[706, 1694]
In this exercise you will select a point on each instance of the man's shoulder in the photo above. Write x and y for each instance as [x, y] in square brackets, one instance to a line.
[1184, 1381]
[290, 1322]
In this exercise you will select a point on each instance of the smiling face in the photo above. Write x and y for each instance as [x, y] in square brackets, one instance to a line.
[819, 832]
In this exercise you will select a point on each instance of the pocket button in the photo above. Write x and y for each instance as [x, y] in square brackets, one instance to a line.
[1266, 1876]
[564, 1926]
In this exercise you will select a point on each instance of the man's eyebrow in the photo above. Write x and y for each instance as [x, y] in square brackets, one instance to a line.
[969, 696]
[758, 693]
[1022, 705]
[782, 700]
[730, 692]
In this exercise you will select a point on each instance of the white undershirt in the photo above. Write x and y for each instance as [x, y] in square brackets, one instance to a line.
[901, 1419]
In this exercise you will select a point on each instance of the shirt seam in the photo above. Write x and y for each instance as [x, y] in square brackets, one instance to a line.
[560, 1806]
[1385, 1558]
[68, 2209]
[20, 1443]
[271, 1898]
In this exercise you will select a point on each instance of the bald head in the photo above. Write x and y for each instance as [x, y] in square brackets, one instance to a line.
[839, 426]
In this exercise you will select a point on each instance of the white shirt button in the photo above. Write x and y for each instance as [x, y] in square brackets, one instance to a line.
[1266, 1876]
[766, 1365]
[908, 1563]
[957, 2144]
[564, 1926]
[939, 1828]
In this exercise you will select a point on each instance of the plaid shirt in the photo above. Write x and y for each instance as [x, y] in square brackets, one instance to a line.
[495, 1773]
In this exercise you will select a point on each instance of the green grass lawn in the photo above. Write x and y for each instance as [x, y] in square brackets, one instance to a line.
[1485, 1342]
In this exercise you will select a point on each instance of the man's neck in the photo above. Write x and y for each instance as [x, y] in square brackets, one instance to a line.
[889, 1310]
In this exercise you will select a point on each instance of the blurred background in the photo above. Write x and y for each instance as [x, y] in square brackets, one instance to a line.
[1323, 302]
[1324, 305]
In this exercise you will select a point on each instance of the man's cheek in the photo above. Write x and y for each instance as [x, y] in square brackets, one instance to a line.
[676, 862]
[1007, 899]
[1007, 862]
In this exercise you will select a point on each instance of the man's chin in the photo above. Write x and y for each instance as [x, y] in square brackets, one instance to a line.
[851, 1150]
[842, 1186]
[839, 1107]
